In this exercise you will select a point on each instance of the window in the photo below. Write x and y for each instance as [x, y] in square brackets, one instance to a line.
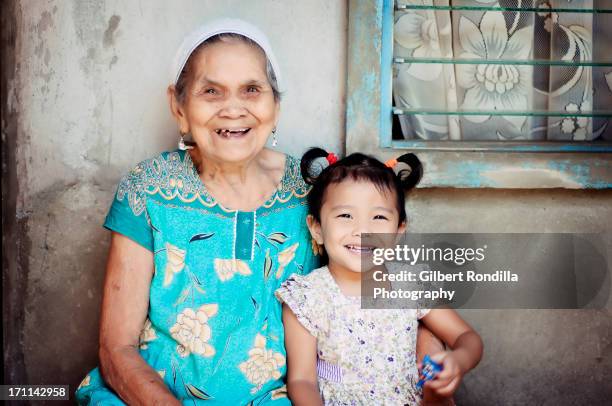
[535, 139]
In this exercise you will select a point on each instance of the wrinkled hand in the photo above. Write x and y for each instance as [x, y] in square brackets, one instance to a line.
[447, 381]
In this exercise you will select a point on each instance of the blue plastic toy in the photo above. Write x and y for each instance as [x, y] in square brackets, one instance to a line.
[429, 371]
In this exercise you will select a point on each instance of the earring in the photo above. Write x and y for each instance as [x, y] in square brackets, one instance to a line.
[274, 139]
[181, 144]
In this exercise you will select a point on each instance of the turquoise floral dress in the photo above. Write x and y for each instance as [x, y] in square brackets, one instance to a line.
[214, 330]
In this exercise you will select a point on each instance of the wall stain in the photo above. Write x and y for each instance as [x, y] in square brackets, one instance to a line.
[41, 51]
[109, 34]
[47, 57]
[88, 61]
[113, 61]
[97, 35]
[86, 20]
[44, 23]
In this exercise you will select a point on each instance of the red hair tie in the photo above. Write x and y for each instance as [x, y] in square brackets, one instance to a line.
[391, 163]
[331, 158]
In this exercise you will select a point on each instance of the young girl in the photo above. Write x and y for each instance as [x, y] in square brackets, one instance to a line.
[339, 353]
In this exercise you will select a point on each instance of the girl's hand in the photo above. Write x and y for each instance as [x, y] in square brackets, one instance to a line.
[465, 342]
[447, 381]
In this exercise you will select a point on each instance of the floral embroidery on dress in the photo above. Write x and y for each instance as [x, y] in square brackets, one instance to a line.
[227, 268]
[279, 393]
[147, 334]
[284, 257]
[292, 184]
[275, 241]
[263, 365]
[192, 331]
[172, 175]
[167, 175]
[196, 392]
[175, 262]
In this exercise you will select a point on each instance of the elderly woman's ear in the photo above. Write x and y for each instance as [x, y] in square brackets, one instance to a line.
[177, 110]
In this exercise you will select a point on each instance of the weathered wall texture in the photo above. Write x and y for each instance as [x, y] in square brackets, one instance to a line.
[86, 100]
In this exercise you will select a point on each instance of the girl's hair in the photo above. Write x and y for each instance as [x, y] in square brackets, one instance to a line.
[359, 167]
[186, 76]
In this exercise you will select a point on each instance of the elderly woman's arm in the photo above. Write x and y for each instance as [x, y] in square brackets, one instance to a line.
[124, 310]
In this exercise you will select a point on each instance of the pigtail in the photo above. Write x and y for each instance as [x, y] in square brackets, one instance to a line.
[413, 177]
[306, 164]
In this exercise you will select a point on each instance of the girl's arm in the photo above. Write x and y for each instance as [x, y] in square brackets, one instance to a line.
[427, 343]
[466, 349]
[124, 310]
[301, 348]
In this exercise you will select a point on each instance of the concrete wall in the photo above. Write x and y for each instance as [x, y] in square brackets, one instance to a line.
[84, 98]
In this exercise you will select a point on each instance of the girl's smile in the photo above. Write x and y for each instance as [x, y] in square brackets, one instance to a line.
[350, 212]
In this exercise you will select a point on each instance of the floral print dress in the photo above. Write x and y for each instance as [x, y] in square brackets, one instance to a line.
[365, 356]
[214, 329]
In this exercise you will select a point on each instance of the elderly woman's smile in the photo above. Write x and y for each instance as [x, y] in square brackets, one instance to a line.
[231, 132]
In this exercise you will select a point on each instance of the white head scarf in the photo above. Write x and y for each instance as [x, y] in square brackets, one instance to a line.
[222, 26]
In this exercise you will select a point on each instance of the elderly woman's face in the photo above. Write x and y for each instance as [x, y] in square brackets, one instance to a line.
[230, 108]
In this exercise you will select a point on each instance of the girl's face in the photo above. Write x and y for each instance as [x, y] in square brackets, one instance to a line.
[230, 108]
[349, 210]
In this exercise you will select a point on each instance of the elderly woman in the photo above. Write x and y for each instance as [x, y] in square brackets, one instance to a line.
[201, 239]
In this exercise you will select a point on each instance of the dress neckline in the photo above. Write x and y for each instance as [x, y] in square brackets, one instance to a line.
[204, 190]
[336, 288]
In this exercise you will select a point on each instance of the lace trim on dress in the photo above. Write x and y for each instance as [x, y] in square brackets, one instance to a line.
[173, 176]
